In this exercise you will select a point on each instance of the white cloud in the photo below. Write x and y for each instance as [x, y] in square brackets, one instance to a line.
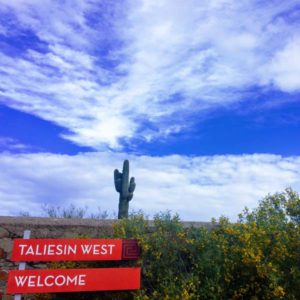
[10, 144]
[108, 68]
[285, 67]
[198, 188]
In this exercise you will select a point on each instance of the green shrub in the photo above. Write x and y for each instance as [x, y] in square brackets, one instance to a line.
[255, 258]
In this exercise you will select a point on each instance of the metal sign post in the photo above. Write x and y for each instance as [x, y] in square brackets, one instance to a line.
[22, 265]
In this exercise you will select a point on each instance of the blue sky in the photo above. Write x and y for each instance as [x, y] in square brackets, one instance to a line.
[202, 97]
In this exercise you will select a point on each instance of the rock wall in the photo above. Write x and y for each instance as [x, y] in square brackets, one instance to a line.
[13, 227]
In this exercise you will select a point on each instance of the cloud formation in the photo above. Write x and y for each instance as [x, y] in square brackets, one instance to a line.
[10, 144]
[111, 72]
[198, 188]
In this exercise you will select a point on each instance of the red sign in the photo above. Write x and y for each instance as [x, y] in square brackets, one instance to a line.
[74, 249]
[73, 280]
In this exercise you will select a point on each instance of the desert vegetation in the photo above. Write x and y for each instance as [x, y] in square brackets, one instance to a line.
[257, 257]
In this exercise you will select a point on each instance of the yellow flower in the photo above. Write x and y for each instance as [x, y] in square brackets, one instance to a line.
[279, 291]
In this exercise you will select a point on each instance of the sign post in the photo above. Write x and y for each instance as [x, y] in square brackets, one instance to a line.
[22, 265]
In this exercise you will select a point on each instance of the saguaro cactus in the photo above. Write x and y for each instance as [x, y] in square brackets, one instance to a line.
[125, 188]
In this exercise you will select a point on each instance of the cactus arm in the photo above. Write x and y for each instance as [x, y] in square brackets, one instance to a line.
[117, 180]
[131, 189]
[131, 185]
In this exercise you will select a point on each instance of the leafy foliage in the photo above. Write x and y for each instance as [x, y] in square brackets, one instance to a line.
[255, 258]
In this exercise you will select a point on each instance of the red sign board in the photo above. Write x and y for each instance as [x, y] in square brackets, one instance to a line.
[74, 249]
[73, 280]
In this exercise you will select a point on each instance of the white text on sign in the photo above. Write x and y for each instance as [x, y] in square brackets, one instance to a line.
[52, 249]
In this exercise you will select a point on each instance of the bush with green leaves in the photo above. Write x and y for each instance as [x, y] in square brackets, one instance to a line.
[256, 258]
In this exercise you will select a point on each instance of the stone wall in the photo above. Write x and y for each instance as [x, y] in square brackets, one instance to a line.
[13, 227]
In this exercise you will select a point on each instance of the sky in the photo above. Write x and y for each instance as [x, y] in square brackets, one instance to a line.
[201, 96]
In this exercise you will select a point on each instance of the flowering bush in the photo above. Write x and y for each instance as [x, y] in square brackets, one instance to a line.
[256, 258]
